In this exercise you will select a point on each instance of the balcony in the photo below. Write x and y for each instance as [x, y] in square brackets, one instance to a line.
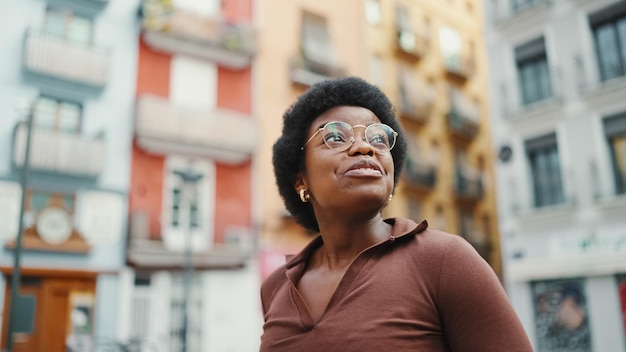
[146, 252]
[419, 175]
[417, 99]
[593, 88]
[59, 152]
[306, 72]
[463, 116]
[89, 8]
[504, 12]
[542, 106]
[223, 135]
[182, 32]
[468, 184]
[459, 67]
[51, 58]
[411, 44]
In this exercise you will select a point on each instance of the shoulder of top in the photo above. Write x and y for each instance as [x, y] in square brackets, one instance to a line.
[275, 278]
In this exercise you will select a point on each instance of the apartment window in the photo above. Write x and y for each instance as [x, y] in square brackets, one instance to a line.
[372, 11]
[533, 71]
[561, 317]
[316, 42]
[185, 212]
[609, 31]
[66, 25]
[415, 209]
[194, 314]
[543, 157]
[450, 45]
[57, 115]
[615, 130]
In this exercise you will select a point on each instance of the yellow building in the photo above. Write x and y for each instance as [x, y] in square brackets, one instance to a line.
[429, 58]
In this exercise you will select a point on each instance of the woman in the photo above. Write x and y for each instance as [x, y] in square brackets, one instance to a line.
[368, 283]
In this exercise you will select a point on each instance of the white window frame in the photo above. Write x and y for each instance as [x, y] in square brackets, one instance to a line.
[174, 237]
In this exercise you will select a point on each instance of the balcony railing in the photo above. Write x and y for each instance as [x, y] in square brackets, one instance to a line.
[227, 136]
[229, 44]
[592, 85]
[59, 152]
[306, 72]
[420, 174]
[149, 252]
[514, 104]
[468, 184]
[505, 10]
[61, 59]
[417, 99]
[411, 43]
[558, 196]
[87, 7]
[459, 66]
[463, 116]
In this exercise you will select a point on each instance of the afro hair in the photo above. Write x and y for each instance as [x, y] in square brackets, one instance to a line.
[288, 158]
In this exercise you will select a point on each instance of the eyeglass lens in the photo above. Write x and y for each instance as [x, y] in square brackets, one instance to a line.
[339, 135]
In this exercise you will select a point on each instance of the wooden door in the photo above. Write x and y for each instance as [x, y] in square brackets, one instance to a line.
[22, 342]
[53, 309]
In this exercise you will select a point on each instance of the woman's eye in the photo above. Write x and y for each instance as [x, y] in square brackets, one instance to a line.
[334, 137]
[378, 139]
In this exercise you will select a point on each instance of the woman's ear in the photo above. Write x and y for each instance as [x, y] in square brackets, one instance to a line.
[299, 183]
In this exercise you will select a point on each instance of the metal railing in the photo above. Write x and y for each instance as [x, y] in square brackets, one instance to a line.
[63, 59]
[60, 152]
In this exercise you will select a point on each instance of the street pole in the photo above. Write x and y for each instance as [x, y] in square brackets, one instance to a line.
[16, 277]
[190, 180]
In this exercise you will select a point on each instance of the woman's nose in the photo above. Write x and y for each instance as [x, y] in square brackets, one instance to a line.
[360, 146]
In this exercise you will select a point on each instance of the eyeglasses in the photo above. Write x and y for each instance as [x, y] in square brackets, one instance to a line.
[339, 136]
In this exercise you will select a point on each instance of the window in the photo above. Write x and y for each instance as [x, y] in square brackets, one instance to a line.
[450, 44]
[615, 130]
[377, 70]
[533, 71]
[415, 209]
[316, 43]
[561, 318]
[543, 156]
[372, 11]
[193, 211]
[609, 31]
[57, 115]
[65, 25]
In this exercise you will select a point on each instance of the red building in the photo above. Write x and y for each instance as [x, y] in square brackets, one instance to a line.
[193, 115]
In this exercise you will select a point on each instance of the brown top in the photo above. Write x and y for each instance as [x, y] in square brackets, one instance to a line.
[420, 290]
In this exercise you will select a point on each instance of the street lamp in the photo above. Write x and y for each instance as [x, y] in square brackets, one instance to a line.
[16, 277]
[190, 180]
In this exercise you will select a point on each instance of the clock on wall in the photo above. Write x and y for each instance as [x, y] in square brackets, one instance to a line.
[54, 225]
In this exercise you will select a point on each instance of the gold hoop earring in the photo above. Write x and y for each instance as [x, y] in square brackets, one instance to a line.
[304, 196]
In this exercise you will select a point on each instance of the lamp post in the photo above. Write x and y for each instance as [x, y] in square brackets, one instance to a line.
[190, 180]
[16, 277]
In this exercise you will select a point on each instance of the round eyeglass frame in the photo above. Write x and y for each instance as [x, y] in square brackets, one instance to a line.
[348, 144]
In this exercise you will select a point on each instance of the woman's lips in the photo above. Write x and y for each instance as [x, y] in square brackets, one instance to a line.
[364, 172]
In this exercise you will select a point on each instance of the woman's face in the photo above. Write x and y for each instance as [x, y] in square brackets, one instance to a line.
[356, 177]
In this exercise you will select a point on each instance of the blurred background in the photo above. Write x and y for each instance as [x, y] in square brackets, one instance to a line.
[138, 207]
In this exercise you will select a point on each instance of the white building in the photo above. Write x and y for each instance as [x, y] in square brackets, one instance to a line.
[71, 62]
[558, 106]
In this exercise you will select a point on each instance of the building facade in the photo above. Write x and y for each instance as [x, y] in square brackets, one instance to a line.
[558, 82]
[428, 57]
[68, 62]
[192, 280]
